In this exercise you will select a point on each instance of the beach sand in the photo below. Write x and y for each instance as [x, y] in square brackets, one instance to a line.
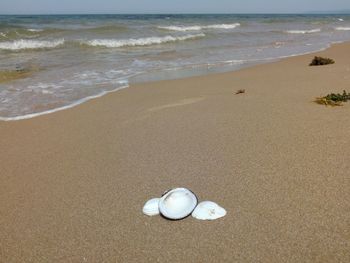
[73, 182]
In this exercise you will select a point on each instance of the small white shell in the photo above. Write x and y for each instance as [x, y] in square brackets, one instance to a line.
[151, 207]
[208, 210]
[177, 203]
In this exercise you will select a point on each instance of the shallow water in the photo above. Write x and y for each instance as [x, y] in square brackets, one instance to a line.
[84, 56]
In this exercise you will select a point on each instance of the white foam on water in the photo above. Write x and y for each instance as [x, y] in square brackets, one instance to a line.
[30, 44]
[34, 30]
[44, 88]
[208, 65]
[76, 103]
[198, 28]
[181, 28]
[341, 28]
[222, 26]
[303, 31]
[115, 43]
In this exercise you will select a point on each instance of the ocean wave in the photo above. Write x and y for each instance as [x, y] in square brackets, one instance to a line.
[223, 26]
[34, 30]
[107, 28]
[198, 28]
[303, 31]
[181, 28]
[342, 28]
[18, 33]
[30, 44]
[114, 43]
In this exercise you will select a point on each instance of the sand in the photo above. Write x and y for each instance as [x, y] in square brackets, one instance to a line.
[19, 72]
[73, 182]
[9, 75]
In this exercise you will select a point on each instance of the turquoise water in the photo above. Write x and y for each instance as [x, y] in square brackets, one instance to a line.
[80, 57]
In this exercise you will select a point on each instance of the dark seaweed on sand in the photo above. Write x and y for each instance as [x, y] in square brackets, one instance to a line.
[319, 61]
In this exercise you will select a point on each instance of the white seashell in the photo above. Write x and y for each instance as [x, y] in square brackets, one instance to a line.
[208, 210]
[151, 207]
[177, 203]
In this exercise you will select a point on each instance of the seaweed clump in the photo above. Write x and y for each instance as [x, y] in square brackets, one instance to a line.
[240, 91]
[320, 61]
[334, 99]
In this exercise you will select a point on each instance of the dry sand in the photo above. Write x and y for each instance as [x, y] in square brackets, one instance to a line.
[73, 183]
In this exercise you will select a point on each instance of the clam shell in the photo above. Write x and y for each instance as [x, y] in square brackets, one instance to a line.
[151, 207]
[208, 210]
[177, 203]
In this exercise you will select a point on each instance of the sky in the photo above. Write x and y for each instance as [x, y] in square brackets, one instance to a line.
[167, 6]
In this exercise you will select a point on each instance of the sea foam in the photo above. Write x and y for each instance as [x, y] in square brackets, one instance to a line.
[75, 103]
[30, 44]
[34, 30]
[114, 43]
[304, 31]
[198, 28]
[342, 28]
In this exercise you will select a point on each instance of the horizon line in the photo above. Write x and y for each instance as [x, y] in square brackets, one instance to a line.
[193, 13]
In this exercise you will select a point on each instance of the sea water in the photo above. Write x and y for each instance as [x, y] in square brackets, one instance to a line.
[79, 57]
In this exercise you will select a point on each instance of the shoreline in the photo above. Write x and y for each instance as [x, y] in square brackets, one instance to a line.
[101, 94]
[73, 183]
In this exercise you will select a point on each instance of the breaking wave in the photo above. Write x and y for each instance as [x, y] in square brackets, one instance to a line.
[198, 28]
[114, 43]
[30, 44]
[304, 31]
[35, 30]
[342, 28]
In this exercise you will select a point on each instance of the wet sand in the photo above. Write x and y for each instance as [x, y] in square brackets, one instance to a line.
[73, 182]
[18, 72]
[9, 75]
